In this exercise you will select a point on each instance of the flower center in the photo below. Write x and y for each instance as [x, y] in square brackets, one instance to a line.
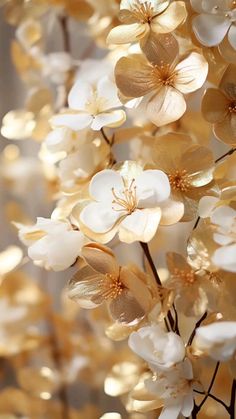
[111, 287]
[232, 107]
[179, 180]
[95, 105]
[185, 277]
[144, 12]
[163, 74]
[127, 199]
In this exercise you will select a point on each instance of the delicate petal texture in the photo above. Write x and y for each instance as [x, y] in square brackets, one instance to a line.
[134, 76]
[170, 19]
[226, 129]
[232, 36]
[171, 212]
[224, 257]
[191, 73]
[80, 94]
[107, 90]
[210, 29]
[102, 184]
[228, 82]
[152, 187]
[158, 6]
[217, 339]
[99, 218]
[171, 411]
[74, 121]
[84, 288]
[188, 405]
[166, 106]
[224, 216]
[160, 49]
[109, 119]
[160, 349]
[141, 225]
[101, 259]
[206, 205]
[125, 34]
[214, 105]
[118, 309]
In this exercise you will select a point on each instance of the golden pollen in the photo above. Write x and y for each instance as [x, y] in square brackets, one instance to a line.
[185, 277]
[164, 75]
[111, 287]
[125, 200]
[144, 12]
[179, 180]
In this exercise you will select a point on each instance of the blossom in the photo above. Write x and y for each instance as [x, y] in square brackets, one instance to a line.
[224, 219]
[52, 243]
[89, 106]
[56, 66]
[196, 290]
[219, 107]
[160, 349]
[216, 19]
[130, 201]
[174, 388]
[218, 340]
[129, 293]
[161, 78]
[188, 166]
[142, 16]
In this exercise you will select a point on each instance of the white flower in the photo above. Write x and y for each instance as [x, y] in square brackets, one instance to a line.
[224, 219]
[52, 243]
[174, 387]
[160, 349]
[217, 19]
[130, 201]
[218, 340]
[56, 66]
[89, 106]
[61, 139]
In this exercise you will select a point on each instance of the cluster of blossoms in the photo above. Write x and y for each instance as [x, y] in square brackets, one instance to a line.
[125, 149]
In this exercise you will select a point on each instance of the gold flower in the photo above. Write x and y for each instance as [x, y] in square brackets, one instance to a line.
[128, 292]
[162, 77]
[195, 291]
[189, 168]
[140, 17]
[219, 107]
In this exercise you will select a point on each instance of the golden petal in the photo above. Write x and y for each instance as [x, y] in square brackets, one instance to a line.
[84, 288]
[101, 259]
[168, 150]
[214, 105]
[160, 49]
[227, 51]
[10, 259]
[228, 82]
[118, 331]
[126, 309]
[172, 17]
[198, 161]
[134, 76]
[226, 129]
[177, 263]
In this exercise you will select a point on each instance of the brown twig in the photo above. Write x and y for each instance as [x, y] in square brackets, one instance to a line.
[190, 341]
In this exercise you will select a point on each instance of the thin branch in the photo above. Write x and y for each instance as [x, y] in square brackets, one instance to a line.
[190, 341]
[176, 327]
[231, 408]
[106, 137]
[231, 151]
[157, 278]
[65, 33]
[214, 398]
[210, 386]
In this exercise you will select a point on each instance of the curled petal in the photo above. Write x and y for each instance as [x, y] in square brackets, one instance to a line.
[166, 106]
[124, 34]
[108, 119]
[168, 21]
[191, 73]
[172, 212]
[74, 121]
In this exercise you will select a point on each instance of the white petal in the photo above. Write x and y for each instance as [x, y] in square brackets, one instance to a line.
[74, 121]
[171, 412]
[210, 29]
[171, 212]
[191, 73]
[196, 5]
[80, 94]
[102, 184]
[224, 216]
[222, 239]
[153, 186]
[98, 217]
[188, 405]
[232, 36]
[167, 106]
[125, 34]
[225, 258]
[107, 90]
[206, 205]
[217, 332]
[109, 119]
[141, 225]
[59, 140]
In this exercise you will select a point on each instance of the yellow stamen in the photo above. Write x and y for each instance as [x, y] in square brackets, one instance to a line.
[127, 200]
[179, 180]
[111, 287]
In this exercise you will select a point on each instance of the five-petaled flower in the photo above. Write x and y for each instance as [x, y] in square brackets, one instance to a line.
[216, 19]
[130, 294]
[91, 106]
[219, 107]
[130, 201]
[162, 78]
[142, 16]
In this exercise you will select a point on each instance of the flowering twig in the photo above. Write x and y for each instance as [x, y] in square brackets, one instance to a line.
[190, 341]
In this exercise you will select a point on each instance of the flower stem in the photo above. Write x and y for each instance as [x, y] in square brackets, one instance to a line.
[214, 398]
[106, 137]
[195, 328]
[231, 151]
[65, 33]
[157, 278]
[231, 408]
[210, 386]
